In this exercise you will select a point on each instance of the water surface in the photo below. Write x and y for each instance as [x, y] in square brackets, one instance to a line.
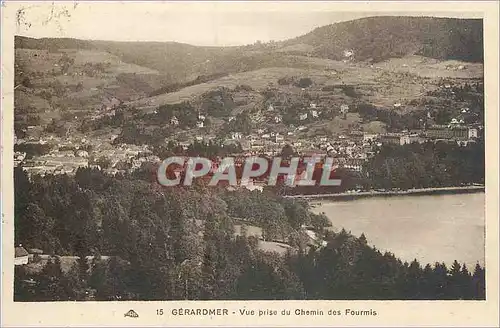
[435, 228]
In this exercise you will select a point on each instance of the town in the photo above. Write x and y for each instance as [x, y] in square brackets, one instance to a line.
[64, 155]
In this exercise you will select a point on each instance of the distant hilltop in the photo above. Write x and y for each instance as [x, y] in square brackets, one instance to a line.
[379, 38]
[370, 39]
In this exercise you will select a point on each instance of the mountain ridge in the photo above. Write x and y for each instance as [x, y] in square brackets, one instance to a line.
[183, 71]
[382, 37]
[372, 38]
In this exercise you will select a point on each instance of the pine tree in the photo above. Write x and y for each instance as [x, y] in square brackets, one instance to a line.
[98, 276]
[439, 281]
[115, 285]
[466, 283]
[455, 281]
[478, 283]
[426, 287]
[74, 285]
[22, 292]
[362, 239]
[414, 282]
[50, 287]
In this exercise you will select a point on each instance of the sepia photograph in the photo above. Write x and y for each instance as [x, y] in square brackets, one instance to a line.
[246, 155]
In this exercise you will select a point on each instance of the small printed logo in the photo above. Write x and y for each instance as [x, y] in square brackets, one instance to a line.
[131, 314]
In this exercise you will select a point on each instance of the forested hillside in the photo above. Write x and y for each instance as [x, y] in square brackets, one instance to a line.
[380, 38]
[149, 243]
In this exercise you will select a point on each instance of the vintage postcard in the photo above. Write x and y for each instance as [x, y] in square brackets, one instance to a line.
[250, 163]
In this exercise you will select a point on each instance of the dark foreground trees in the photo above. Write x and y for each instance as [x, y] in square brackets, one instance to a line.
[427, 165]
[126, 239]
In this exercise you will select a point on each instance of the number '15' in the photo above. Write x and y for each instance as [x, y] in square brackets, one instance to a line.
[159, 311]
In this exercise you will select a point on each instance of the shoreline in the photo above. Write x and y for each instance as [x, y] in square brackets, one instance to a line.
[392, 224]
[394, 193]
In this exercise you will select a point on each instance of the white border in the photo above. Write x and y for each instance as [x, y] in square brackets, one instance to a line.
[390, 313]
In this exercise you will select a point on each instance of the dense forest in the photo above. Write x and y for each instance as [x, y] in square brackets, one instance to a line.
[380, 38]
[427, 165]
[154, 243]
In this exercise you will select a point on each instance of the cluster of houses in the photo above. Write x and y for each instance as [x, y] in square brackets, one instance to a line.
[309, 113]
[200, 122]
[57, 162]
[349, 150]
[65, 156]
[68, 154]
[459, 134]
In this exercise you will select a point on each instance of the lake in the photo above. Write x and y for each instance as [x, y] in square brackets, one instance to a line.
[434, 228]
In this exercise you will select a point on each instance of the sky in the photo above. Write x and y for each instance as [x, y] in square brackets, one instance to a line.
[197, 23]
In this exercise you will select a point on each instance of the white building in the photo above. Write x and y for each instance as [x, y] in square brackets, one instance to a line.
[349, 53]
[174, 121]
[409, 139]
[454, 122]
[21, 256]
[472, 133]
[303, 117]
[236, 135]
[82, 153]
[369, 137]
[199, 124]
